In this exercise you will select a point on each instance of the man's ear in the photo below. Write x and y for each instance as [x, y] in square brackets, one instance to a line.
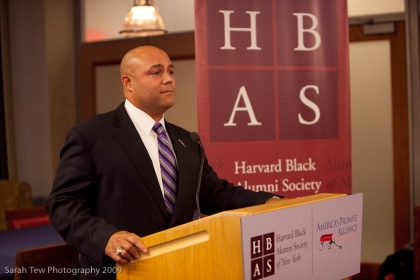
[126, 81]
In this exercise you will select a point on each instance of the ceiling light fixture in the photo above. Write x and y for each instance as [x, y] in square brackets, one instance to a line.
[143, 20]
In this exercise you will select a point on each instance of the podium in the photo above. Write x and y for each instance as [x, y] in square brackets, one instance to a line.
[298, 237]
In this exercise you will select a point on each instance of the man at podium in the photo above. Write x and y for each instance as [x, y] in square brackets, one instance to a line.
[129, 173]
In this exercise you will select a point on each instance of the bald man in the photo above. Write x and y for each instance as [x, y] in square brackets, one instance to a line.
[108, 190]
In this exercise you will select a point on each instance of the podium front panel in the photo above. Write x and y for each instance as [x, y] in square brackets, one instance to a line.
[312, 237]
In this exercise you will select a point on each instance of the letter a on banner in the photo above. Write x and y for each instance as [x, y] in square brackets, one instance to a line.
[248, 108]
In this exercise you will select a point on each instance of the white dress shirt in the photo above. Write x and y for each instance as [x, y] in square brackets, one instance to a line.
[144, 124]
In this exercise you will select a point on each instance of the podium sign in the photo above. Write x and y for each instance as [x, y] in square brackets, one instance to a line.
[323, 237]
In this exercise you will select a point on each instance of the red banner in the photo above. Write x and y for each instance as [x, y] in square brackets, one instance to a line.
[273, 93]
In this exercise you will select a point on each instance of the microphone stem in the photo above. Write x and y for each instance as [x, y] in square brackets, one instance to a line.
[197, 195]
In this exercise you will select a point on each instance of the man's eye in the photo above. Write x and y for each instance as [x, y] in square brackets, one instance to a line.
[156, 73]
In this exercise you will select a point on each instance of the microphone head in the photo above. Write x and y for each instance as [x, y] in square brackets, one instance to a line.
[195, 137]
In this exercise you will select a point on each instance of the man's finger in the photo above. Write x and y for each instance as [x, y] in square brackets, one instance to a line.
[136, 241]
[124, 246]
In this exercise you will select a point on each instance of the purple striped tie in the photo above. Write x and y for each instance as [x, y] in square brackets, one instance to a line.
[167, 166]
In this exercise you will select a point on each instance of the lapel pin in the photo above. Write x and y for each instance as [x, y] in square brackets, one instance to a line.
[181, 142]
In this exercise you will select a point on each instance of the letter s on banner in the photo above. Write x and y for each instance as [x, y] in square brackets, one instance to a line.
[310, 104]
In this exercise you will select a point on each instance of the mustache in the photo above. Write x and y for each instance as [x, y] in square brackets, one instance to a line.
[167, 89]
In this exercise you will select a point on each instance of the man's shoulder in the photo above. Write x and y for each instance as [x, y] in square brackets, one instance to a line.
[95, 121]
[103, 123]
[115, 117]
[176, 129]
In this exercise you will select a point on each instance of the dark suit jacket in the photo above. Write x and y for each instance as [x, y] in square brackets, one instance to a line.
[106, 182]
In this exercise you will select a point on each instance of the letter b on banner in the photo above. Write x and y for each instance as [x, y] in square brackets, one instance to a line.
[302, 31]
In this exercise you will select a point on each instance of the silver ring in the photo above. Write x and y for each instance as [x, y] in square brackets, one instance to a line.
[119, 251]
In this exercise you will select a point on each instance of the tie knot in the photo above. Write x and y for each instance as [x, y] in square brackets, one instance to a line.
[158, 128]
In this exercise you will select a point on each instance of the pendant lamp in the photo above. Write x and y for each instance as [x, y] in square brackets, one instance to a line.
[143, 20]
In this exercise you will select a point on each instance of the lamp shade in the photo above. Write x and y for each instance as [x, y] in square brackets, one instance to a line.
[143, 20]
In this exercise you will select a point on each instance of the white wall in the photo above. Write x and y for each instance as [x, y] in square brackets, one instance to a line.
[103, 18]
[372, 147]
[42, 59]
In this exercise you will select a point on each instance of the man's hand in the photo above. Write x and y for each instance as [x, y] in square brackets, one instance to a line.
[274, 199]
[130, 244]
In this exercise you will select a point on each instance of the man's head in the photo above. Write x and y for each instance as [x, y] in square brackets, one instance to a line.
[147, 75]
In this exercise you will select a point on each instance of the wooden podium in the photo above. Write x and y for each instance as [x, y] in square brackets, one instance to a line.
[208, 248]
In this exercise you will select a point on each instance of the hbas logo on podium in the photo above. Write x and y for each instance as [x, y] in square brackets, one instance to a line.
[262, 256]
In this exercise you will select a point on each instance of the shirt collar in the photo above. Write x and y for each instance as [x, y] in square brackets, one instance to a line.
[141, 118]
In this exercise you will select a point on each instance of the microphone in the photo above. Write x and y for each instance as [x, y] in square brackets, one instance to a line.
[196, 138]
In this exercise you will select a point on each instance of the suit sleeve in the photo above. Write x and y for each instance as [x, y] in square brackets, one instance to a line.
[71, 202]
[220, 195]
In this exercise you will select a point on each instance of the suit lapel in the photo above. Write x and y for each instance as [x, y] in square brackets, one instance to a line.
[130, 140]
[183, 160]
